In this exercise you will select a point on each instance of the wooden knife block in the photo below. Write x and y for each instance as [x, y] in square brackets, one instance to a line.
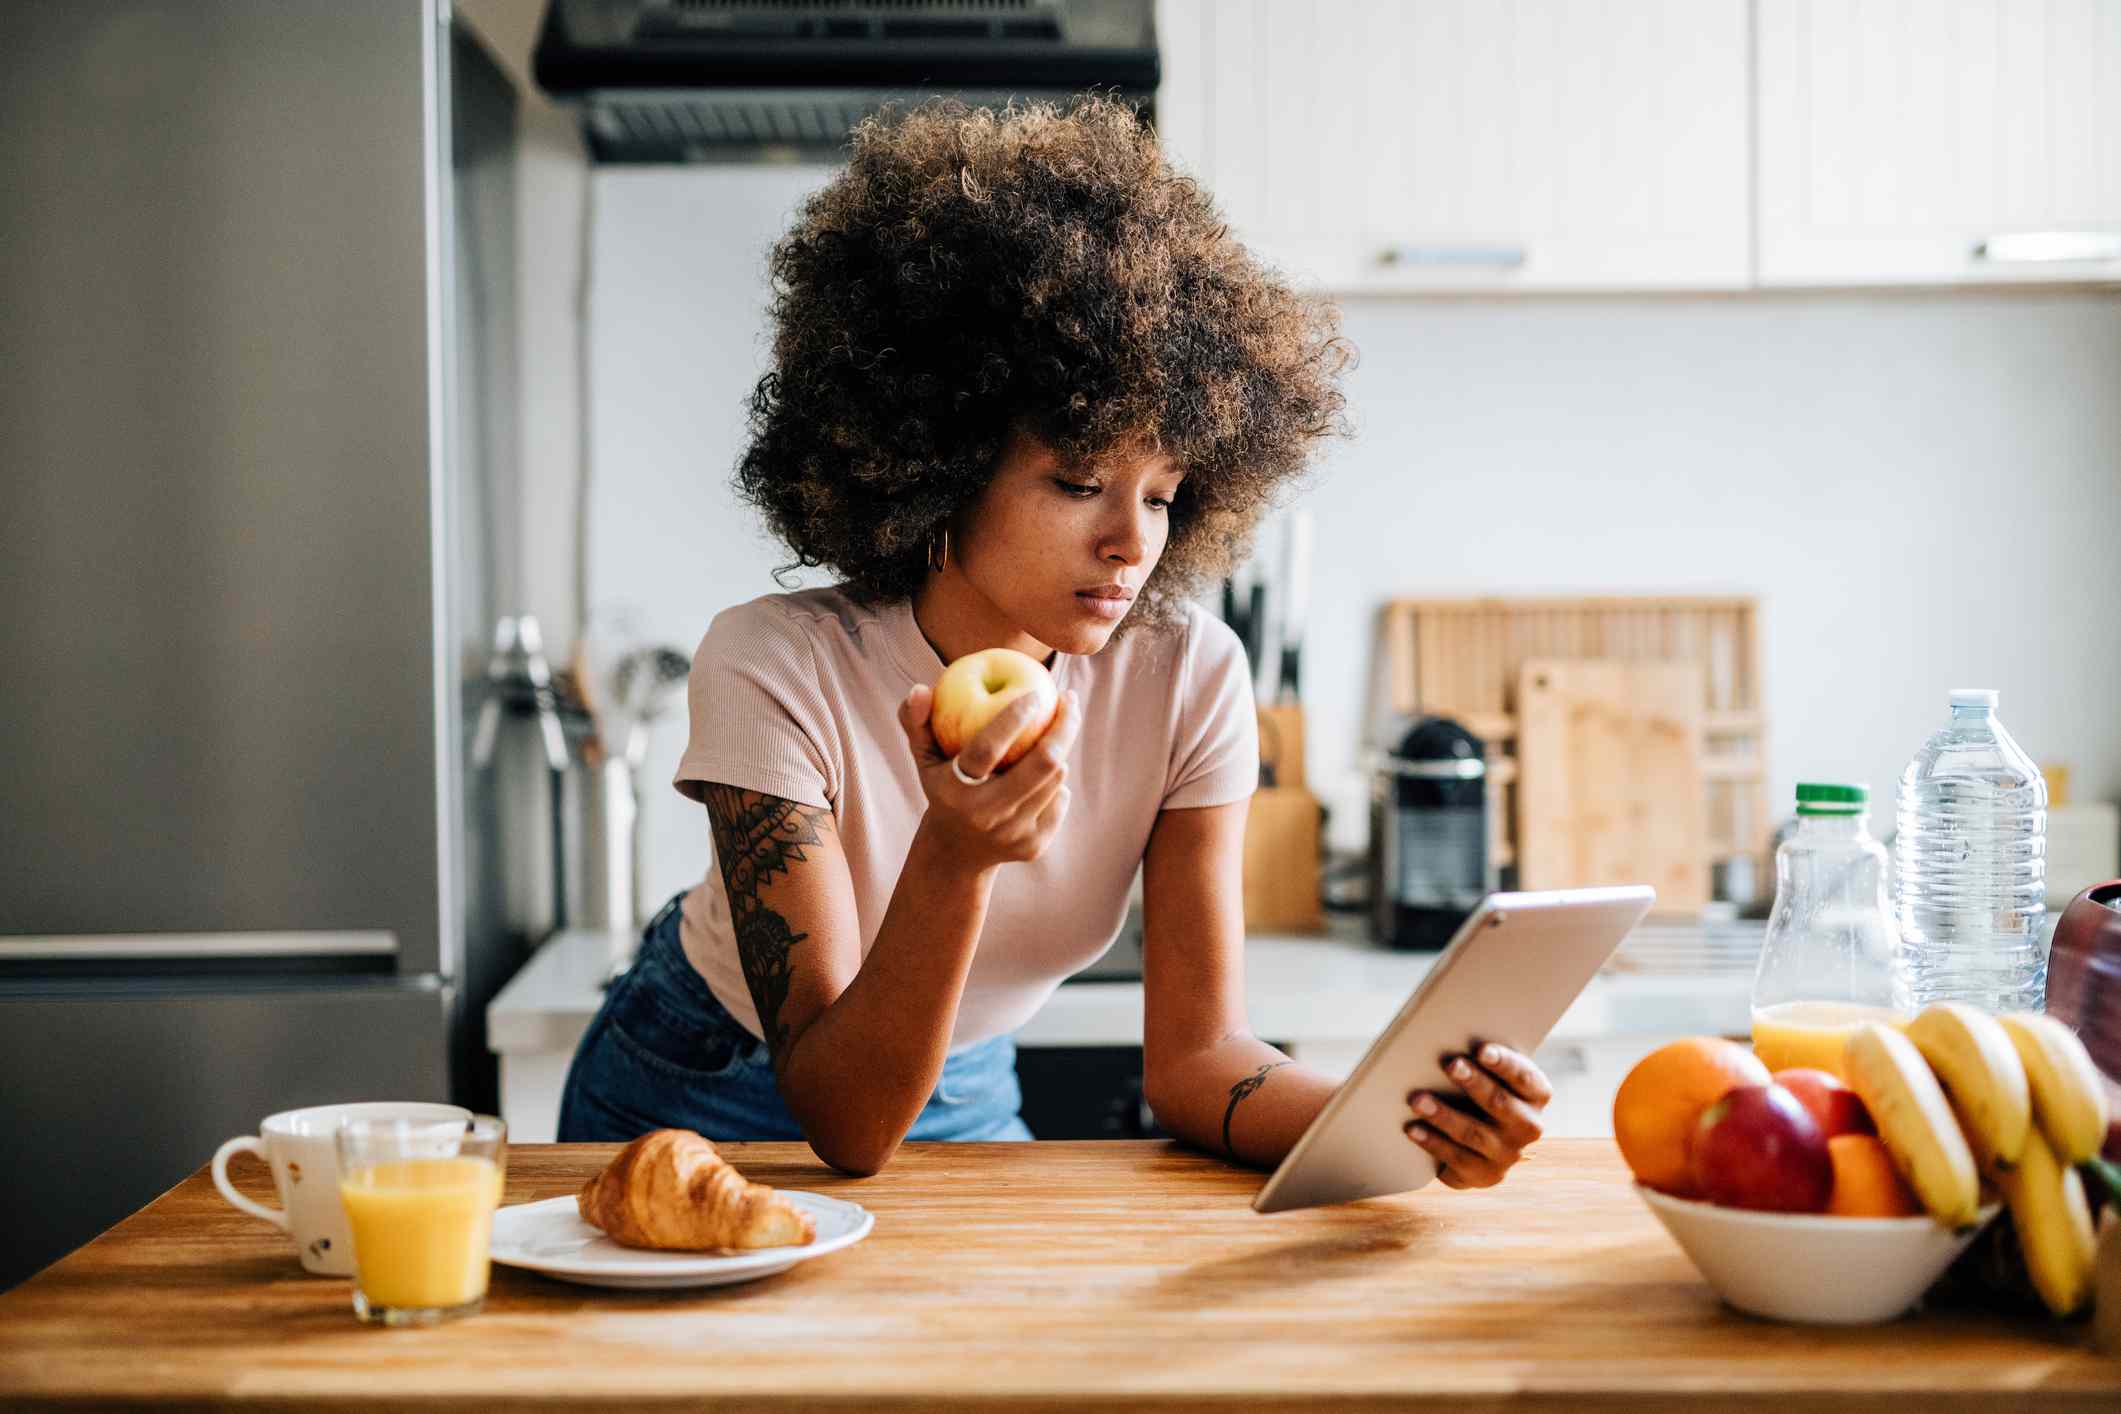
[1281, 746]
[1282, 833]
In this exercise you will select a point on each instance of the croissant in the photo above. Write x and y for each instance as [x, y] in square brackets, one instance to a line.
[670, 1189]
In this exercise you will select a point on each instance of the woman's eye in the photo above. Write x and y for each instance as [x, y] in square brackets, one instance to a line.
[1084, 490]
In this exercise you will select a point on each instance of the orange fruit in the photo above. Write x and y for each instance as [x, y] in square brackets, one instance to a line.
[1866, 1185]
[1656, 1106]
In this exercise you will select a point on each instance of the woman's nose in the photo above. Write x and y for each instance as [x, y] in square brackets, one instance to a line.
[1127, 541]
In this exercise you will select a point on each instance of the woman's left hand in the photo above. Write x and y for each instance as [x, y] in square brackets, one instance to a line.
[1474, 1150]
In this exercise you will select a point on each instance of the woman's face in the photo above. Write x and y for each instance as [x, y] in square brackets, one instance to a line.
[1056, 553]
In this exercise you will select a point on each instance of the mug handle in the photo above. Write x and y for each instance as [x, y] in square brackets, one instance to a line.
[245, 1143]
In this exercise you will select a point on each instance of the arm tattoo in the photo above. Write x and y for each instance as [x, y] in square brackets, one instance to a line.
[1239, 1092]
[755, 837]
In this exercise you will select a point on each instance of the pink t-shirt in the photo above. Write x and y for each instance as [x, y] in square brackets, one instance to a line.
[797, 695]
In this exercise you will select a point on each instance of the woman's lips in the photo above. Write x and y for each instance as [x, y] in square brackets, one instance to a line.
[1104, 606]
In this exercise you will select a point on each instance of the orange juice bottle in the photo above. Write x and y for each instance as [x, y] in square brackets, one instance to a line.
[1826, 965]
[1793, 1035]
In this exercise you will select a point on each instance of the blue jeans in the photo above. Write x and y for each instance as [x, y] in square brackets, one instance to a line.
[662, 1053]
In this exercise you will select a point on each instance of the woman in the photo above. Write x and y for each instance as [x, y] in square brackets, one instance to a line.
[1026, 392]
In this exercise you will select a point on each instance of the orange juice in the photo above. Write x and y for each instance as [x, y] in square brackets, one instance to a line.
[421, 1229]
[1789, 1035]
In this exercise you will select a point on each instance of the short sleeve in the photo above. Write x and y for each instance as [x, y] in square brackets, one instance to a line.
[759, 716]
[1215, 751]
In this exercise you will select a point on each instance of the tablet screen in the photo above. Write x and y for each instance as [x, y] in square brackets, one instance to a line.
[1509, 973]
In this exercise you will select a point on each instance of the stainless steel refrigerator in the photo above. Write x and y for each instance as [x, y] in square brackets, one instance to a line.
[256, 438]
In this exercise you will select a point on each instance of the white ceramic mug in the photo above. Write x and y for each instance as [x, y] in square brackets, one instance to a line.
[297, 1144]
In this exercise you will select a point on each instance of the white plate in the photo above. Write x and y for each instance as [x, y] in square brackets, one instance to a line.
[550, 1237]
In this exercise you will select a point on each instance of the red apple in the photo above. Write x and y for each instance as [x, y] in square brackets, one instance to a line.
[973, 690]
[1759, 1147]
[1838, 1109]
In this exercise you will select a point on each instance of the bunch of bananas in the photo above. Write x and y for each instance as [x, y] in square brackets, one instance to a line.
[1965, 1100]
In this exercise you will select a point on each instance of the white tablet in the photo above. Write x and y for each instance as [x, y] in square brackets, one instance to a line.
[1507, 976]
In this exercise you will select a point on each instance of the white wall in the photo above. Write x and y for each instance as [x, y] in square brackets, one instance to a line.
[1923, 489]
[552, 191]
[677, 338]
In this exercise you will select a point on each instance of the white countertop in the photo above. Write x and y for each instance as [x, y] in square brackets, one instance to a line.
[1334, 990]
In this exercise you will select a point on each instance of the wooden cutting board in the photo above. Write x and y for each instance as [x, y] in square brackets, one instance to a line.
[1609, 777]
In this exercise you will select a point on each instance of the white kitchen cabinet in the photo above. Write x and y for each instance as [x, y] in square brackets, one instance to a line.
[1939, 142]
[1470, 144]
[1182, 91]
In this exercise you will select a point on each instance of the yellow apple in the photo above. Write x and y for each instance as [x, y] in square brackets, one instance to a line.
[975, 688]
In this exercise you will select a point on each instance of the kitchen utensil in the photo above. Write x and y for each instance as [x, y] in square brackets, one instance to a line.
[1256, 636]
[1814, 1268]
[550, 1237]
[1281, 745]
[1296, 599]
[647, 681]
[580, 683]
[612, 635]
[1609, 778]
[526, 771]
[518, 666]
[557, 805]
[1244, 609]
[600, 821]
[575, 863]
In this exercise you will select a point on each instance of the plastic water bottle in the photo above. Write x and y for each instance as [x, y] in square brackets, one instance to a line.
[1971, 866]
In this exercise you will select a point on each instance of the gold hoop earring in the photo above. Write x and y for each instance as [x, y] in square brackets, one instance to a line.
[939, 550]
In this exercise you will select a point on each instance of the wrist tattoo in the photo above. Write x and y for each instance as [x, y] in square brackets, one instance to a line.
[756, 837]
[1239, 1092]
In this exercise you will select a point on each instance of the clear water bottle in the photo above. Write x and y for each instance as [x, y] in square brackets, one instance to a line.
[1826, 965]
[1971, 861]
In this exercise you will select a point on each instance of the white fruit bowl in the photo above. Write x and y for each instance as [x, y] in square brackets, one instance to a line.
[1810, 1267]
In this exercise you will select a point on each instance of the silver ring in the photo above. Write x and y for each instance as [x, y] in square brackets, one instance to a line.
[959, 772]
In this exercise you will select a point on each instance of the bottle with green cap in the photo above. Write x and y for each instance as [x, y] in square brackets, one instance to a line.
[1826, 965]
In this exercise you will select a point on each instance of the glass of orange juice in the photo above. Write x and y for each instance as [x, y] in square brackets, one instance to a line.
[419, 1199]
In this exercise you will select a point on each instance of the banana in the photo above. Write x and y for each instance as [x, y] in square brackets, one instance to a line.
[1972, 1054]
[2069, 1098]
[1915, 1121]
[2054, 1225]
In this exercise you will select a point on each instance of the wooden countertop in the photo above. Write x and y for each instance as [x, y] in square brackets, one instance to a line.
[1015, 1275]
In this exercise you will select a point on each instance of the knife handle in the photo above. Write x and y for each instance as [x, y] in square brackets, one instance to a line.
[1286, 691]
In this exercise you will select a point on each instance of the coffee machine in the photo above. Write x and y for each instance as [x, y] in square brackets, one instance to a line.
[1428, 835]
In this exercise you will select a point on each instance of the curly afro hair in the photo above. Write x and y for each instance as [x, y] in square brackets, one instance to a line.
[974, 273]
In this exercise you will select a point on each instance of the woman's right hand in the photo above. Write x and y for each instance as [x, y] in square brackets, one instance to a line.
[1008, 816]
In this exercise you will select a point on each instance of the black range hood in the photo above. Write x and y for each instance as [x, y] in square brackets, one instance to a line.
[745, 80]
